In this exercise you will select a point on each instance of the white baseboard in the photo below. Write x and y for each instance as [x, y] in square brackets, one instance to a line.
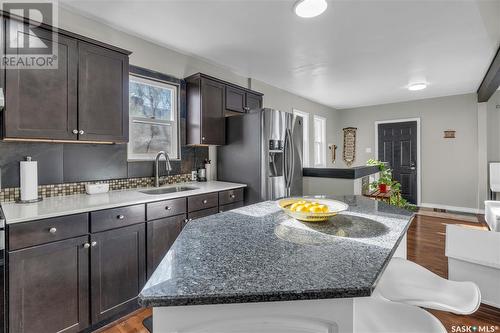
[453, 208]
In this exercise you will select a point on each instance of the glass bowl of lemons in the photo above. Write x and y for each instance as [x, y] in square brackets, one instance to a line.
[311, 210]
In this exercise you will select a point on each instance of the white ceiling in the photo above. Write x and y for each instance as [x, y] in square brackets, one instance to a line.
[357, 53]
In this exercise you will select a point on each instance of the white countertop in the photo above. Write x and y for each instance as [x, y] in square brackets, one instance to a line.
[81, 203]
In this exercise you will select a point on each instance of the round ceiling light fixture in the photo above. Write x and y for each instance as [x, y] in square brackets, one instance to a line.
[417, 86]
[309, 8]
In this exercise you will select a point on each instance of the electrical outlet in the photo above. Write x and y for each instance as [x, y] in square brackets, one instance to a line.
[193, 175]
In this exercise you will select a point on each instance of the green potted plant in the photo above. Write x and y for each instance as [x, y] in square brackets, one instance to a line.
[385, 182]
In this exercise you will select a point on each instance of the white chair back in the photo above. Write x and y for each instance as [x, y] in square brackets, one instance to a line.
[495, 176]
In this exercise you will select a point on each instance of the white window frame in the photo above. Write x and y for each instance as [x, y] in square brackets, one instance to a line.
[319, 146]
[305, 134]
[174, 122]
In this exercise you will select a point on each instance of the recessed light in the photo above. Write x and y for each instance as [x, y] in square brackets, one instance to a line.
[310, 8]
[417, 86]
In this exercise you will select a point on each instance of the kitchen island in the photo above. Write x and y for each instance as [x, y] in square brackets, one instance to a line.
[254, 269]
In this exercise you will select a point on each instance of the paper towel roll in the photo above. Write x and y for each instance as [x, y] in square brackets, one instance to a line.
[29, 180]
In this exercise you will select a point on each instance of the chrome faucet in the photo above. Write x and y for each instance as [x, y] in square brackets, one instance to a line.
[168, 167]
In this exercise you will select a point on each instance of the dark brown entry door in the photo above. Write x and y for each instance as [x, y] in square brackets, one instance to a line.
[397, 145]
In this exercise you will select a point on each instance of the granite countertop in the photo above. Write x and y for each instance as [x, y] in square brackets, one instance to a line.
[81, 203]
[342, 173]
[258, 254]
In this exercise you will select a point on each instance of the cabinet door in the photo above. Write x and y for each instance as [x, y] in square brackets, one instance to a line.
[235, 99]
[213, 125]
[48, 287]
[253, 101]
[118, 270]
[42, 103]
[102, 94]
[161, 235]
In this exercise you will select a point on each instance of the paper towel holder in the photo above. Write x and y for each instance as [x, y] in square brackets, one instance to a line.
[28, 158]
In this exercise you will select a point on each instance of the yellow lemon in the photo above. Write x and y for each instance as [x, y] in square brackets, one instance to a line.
[315, 209]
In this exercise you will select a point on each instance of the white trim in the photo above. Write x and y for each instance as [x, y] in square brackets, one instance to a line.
[306, 137]
[419, 152]
[453, 208]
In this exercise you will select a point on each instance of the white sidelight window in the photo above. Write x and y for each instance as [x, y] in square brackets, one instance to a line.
[319, 141]
[305, 134]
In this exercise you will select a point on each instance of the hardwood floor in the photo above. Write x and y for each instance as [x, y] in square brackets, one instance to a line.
[426, 239]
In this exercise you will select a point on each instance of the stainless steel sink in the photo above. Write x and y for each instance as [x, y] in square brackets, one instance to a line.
[165, 190]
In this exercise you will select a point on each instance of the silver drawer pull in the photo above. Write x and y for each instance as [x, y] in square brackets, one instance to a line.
[75, 131]
[168, 208]
[120, 217]
[232, 196]
[81, 132]
[52, 230]
[93, 244]
[205, 201]
[86, 245]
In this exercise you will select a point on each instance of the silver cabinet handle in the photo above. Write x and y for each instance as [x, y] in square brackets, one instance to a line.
[75, 131]
[120, 217]
[52, 230]
[82, 132]
[168, 208]
[232, 196]
[86, 245]
[205, 201]
[202, 138]
[93, 244]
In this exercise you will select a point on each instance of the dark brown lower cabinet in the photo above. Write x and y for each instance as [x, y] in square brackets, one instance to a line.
[118, 270]
[161, 235]
[48, 287]
[231, 206]
[202, 213]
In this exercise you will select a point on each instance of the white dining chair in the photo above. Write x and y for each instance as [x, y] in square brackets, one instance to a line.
[407, 282]
[376, 315]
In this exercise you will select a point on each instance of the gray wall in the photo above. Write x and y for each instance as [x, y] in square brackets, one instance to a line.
[449, 166]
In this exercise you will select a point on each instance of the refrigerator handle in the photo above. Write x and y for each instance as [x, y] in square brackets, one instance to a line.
[292, 160]
[288, 161]
[285, 160]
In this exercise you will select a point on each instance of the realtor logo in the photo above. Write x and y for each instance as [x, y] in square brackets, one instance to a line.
[29, 39]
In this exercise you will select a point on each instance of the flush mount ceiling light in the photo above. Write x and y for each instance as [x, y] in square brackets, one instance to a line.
[310, 8]
[417, 86]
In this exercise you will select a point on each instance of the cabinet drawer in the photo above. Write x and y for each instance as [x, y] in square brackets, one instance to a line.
[231, 206]
[48, 230]
[230, 196]
[117, 217]
[161, 209]
[202, 213]
[203, 201]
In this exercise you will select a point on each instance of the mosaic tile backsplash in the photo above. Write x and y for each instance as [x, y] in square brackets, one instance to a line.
[45, 191]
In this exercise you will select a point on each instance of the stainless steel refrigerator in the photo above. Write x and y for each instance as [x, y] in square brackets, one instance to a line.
[263, 150]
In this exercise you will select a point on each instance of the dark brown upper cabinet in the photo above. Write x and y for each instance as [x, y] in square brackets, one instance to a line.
[102, 94]
[42, 103]
[253, 101]
[241, 101]
[235, 99]
[84, 99]
[205, 116]
[209, 101]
